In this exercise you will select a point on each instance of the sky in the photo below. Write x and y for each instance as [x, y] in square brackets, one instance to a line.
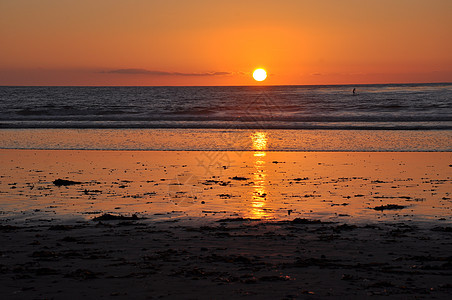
[180, 42]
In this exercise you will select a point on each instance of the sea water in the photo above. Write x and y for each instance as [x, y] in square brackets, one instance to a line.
[395, 117]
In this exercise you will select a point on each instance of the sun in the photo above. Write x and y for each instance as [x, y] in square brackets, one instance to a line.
[259, 74]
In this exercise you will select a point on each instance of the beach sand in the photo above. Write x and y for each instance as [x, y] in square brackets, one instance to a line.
[198, 224]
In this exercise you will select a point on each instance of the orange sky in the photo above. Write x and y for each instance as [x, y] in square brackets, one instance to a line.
[175, 42]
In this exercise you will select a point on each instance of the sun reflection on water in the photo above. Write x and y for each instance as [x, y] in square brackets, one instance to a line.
[259, 139]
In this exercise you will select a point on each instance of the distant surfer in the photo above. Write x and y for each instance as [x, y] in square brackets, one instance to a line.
[354, 92]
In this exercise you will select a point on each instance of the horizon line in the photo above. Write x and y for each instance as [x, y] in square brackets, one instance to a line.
[244, 85]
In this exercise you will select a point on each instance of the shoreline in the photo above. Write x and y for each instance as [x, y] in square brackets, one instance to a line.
[229, 150]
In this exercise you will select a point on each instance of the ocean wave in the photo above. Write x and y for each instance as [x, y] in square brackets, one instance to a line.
[397, 107]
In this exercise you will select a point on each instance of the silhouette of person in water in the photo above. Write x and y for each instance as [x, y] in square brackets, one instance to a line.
[354, 92]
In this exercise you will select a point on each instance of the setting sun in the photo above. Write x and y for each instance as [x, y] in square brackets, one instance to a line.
[259, 74]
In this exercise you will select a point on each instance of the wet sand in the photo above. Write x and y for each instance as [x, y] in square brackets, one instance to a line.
[263, 225]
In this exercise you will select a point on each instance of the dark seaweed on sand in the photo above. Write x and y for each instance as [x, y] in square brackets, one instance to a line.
[303, 221]
[61, 182]
[389, 206]
[300, 179]
[110, 217]
[237, 220]
[239, 178]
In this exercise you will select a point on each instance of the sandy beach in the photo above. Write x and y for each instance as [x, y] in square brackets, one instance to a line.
[218, 224]
[231, 259]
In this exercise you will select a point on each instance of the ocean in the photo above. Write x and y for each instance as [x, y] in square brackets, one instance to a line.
[390, 117]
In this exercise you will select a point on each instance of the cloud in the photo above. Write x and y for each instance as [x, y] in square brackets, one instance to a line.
[163, 73]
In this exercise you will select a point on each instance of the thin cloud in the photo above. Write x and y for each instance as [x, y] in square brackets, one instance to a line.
[163, 73]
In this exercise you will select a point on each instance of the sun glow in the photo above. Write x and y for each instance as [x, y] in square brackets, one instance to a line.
[259, 74]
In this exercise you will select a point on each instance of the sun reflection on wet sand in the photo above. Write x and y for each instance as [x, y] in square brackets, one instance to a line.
[166, 185]
[259, 196]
